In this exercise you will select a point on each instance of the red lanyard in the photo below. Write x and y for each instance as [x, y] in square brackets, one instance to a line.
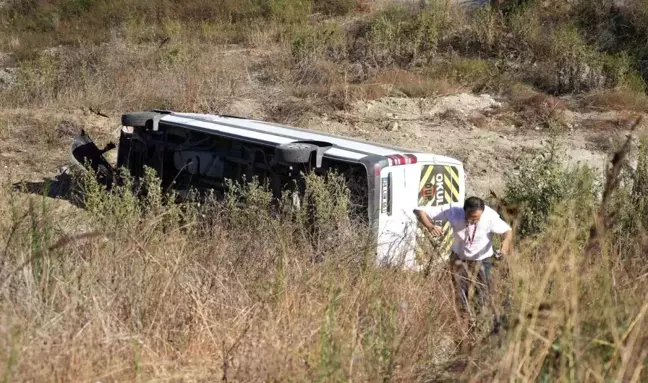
[469, 238]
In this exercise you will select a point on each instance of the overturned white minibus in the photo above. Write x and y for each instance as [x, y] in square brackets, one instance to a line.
[201, 150]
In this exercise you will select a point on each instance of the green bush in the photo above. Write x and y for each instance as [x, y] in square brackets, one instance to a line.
[74, 8]
[566, 63]
[542, 184]
[27, 16]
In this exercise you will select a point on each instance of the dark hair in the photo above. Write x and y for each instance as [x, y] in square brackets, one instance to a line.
[473, 204]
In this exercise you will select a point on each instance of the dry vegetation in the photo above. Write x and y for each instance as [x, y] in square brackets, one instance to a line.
[242, 290]
[117, 55]
[129, 289]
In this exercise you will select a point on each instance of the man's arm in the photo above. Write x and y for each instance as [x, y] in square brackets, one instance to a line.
[423, 217]
[499, 226]
[426, 215]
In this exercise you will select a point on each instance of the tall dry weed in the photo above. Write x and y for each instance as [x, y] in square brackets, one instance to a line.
[246, 289]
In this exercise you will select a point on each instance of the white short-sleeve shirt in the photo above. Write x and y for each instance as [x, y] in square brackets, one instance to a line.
[470, 242]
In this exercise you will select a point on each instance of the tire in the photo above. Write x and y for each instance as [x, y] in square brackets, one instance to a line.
[295, 152]
[137, 120]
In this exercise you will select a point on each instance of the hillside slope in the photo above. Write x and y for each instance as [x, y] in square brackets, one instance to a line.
[98, 286]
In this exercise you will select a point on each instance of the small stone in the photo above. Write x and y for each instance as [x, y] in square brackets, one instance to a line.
[393, 126]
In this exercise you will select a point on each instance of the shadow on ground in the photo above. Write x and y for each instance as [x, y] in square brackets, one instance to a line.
[59, 187]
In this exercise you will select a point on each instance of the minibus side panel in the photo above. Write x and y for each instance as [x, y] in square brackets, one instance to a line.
[397, 223]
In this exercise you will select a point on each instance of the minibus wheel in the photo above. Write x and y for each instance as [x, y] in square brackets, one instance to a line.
[295, 152]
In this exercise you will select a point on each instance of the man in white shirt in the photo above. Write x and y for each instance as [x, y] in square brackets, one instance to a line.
[473, 225]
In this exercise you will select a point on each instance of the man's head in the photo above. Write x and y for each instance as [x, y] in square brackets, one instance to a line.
[473, 207]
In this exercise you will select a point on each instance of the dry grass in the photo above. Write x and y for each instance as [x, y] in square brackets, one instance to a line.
[234, 51]
[167, 295]
[409, 84]
[385, 83]
[228, 300]
[117, 77]
[618, 99]
[531, 109]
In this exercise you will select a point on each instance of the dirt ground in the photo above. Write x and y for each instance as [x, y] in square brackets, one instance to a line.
[473, 128]
[477, 130]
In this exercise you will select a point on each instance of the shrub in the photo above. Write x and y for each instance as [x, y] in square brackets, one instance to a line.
[640, 184]
[288, 11]
[43, 78]
[129, 204]
[74, 8]
[469, 72]
[311, 42]
[620, 73]
[570, 64]
[395, 36]
[630, 205]
[27, 16]
[541, 184]
[335, 7]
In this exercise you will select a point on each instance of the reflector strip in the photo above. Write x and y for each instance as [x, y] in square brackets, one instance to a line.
[398, 159]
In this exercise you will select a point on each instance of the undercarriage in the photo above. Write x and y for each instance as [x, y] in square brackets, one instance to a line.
[187, 159]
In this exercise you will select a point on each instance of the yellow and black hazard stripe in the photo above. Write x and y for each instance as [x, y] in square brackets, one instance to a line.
[451, 179]
[439, 185]
[446, 243]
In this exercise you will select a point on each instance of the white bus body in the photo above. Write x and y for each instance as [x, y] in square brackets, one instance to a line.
[397, 180]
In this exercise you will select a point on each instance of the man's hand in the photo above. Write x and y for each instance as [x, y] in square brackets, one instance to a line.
[436, 231]
[425, 220]
[506, 243]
